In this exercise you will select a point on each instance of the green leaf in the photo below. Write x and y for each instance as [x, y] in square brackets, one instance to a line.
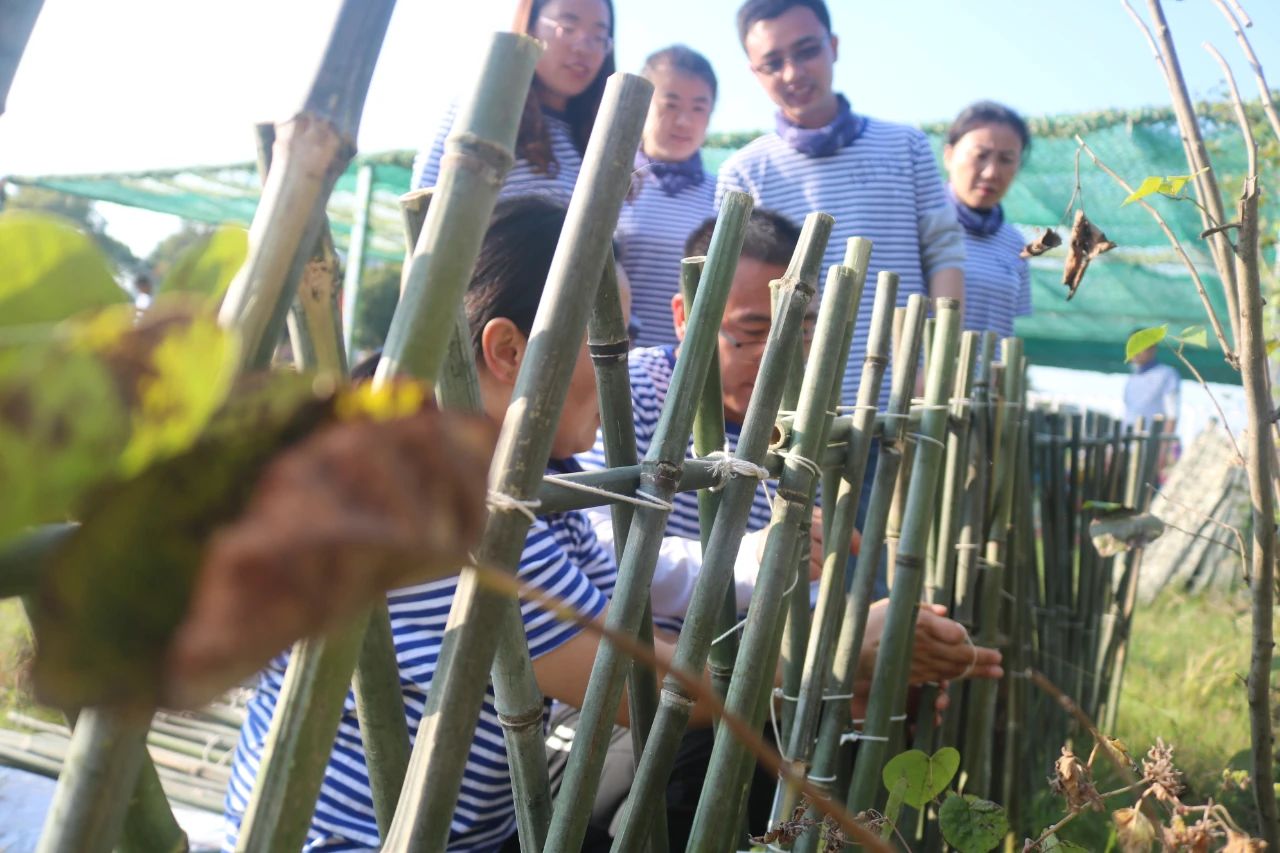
[893, 808]
[1149, 186]
[1054, 844]
[1195, 336]
[1143, 339]
[926, 776]
[62, 425]
[50, 271]
[1102, 506]
[972, 825]
[1272, 346]
[208, 267]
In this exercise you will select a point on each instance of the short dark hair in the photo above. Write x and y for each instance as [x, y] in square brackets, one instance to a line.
[683, 59]
[771, 238]
[766, 10]
[988, 112]
[514, 261]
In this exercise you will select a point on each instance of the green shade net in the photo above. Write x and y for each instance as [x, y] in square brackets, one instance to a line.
[1140, 284]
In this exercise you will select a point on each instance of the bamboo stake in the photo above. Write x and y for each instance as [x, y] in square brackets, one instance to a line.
[715, 579]
[609, 343]
[442, 745]
[890, 678]
[982, 694]
[750, 692]
[816, 678]
[312, 151]
[17, 20]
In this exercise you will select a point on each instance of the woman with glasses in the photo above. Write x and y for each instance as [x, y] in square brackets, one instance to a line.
[675, 194]
[985, 147]
[563, 100]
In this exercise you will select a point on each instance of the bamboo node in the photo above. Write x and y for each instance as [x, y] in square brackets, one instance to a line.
[487, 159]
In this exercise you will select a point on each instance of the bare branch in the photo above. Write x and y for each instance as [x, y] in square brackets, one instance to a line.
[1218, 331]
[1191, 367]
[1242, 118]
[1268, 103]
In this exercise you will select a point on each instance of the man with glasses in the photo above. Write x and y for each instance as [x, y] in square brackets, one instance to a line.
[879, 180]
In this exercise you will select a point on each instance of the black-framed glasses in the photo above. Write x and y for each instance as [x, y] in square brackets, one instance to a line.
[569, 31]
[803, 53]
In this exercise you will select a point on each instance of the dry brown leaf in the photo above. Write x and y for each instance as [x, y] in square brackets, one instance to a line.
[1072, 780]
[358, 508]
[1240, 843]
[1050, 239]
[1087, 242]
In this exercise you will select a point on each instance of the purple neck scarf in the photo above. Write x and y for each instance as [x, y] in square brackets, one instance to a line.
[826, 140]
[980, 223]
[673, 177]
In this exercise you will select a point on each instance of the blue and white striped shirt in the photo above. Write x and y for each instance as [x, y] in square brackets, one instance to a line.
[652, 230]
[885, 187]
[997, 281]
[561, 556]
[522, 179]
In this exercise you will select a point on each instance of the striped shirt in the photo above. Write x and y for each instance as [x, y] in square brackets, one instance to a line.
[522, 179]
[885, 187]
[561, 555]
[652, 230]
[997, 281]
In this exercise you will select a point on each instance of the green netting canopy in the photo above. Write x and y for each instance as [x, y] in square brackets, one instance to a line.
[1139, 284]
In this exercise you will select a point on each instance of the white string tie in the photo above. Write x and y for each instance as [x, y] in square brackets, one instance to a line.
[724, 465]
[860, 407]
[808, 464]
[919, 436]
[640, 499]
[736, 627]
[501, 502]
[854, 736]
[974, 662]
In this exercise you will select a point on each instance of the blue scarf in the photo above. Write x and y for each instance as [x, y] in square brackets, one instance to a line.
[673, 177]
[980, 223]
[826, 140]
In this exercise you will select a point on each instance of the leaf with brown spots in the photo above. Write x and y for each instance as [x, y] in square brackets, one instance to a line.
[1087, 242]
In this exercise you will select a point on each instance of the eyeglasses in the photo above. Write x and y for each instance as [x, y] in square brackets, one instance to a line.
[567, 31]
[755, 343]
[803, 53]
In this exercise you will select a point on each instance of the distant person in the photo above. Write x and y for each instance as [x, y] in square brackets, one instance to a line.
[985, 148]
[674, 192]
[564, 97]
[878, 179]
[1152, 389]
[142, 292]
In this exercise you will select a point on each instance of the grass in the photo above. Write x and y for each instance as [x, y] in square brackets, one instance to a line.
[15, 656]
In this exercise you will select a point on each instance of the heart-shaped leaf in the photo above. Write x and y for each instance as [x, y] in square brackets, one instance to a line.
[1144, 339]
[925, 776]
[972, 825]
[50, 271]
[207, 267]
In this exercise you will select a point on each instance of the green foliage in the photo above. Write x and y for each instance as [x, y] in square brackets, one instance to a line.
[921, 776]
[1193, 336]
[379, 295]
[49, 271]
[208, 265]
[1144, 339]
[1170, 185]
[972, 825]
[76, 211]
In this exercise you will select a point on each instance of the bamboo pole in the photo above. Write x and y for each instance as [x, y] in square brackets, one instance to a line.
[302, 734]
[750, 692]
[443, 741]
[609, 344]
[660, 472]
[983, 694]
[355, 253]
[714, 582]
[890, 678]
[96, 784]
[17, 20]
[312, 150]
[817, 678]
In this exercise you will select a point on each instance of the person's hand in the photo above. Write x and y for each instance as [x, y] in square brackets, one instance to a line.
[942, 649]
[816, 554]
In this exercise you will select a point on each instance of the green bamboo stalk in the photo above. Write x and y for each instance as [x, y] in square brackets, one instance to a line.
[609, 344]
[750, 692]
[17, 20]
[660, 472]
[982, 694]
[97, 783]
[817, 676]
[312, 151]
[716, 577]
[844, 662]
[440, 750]
[890, 678]
[286, 788]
